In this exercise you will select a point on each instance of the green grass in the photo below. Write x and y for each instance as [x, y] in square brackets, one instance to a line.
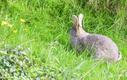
[45, 33]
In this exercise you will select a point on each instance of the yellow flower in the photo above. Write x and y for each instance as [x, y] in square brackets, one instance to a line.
[5, 23]
[22, 20]
[15, 31]
[10, 25]
[26, 29]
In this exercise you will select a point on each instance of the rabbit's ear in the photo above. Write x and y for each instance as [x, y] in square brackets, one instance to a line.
[75, 20]
[80, 19]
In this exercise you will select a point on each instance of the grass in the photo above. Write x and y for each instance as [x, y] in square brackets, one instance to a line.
[42, 26]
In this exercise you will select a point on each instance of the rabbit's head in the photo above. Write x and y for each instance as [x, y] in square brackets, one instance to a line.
[78, 25]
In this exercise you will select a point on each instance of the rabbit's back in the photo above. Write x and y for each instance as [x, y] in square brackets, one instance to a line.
[99, 41]
[101, 46]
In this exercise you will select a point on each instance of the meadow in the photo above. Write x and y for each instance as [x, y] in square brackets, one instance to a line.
[35, 44]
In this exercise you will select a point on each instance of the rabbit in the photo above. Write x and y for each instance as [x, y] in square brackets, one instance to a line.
[102, 47]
